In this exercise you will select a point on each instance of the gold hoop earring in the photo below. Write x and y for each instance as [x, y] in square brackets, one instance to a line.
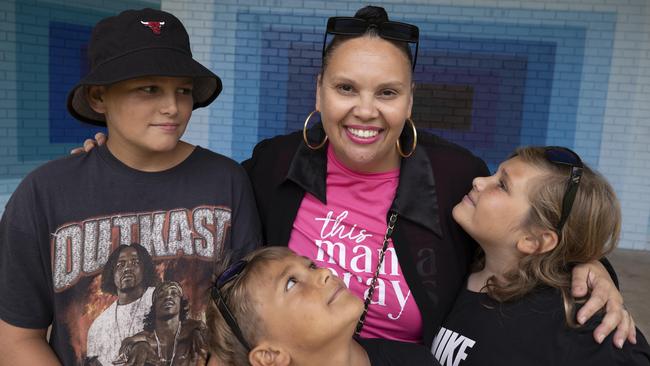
[304, 134]
[415, 141]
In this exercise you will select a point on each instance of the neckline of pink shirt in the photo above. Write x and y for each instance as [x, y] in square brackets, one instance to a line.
[331, 156]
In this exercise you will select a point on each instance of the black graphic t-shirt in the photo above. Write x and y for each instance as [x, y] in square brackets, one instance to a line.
[119, 261]
[530, 331]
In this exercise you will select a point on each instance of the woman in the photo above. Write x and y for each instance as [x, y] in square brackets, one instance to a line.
[538, 215]
[331, 196]
[329, 193]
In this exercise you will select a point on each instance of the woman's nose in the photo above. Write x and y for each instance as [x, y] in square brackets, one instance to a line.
[366, 109]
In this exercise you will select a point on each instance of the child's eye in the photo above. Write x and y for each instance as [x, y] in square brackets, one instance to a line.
[290, 283]
[149, 89]
[502, 185]
[185, 91]
[312, 265]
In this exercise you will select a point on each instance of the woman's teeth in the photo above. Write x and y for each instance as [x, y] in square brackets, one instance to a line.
[363, 133]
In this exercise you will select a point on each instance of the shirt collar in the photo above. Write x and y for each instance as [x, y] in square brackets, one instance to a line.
[415, 198]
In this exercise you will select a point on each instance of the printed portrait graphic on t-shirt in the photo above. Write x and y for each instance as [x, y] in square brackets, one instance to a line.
[135, 284]
[169, 336]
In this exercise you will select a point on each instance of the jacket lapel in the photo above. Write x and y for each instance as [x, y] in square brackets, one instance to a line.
[416, 198]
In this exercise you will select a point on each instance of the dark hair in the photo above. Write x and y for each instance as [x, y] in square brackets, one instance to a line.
[108, 282]
[150, 319]
[371, 14]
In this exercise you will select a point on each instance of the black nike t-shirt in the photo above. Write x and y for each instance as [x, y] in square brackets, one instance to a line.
[530, 331]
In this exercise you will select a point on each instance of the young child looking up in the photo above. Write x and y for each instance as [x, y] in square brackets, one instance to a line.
[277, 308]
[84, 240]
[542, 212]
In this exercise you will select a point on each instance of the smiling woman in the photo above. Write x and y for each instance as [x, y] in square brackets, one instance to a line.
[362, 175]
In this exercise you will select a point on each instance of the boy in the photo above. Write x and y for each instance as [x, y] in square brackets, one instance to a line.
[179, 205]
[275, 308]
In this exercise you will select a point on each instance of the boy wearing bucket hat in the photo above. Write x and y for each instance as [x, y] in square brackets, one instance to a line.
[183, 204]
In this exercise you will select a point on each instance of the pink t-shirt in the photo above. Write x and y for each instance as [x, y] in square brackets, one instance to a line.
[346, 236]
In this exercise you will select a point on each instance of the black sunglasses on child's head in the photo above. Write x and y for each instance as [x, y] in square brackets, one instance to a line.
[225, 277]
[395, 31]
[562, 156]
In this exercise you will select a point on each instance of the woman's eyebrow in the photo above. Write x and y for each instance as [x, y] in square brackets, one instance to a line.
[391, 84]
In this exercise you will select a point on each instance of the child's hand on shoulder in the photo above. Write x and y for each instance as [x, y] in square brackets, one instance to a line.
[89, 144]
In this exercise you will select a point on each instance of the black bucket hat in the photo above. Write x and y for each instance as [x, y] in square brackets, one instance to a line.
[139, 43]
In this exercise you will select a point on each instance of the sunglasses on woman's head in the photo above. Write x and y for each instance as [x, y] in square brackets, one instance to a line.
[562, 156]
[395, 31]
[225, 277]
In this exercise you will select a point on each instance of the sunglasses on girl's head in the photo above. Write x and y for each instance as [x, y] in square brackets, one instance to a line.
[396, 31]
[225, 277]
[563, 156]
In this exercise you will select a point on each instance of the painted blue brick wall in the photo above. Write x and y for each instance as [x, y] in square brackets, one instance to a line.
[41, 56]
[68, 45]
[574, 73]
[539, 75]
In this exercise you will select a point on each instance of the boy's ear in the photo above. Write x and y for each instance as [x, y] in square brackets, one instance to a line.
[95, 99]
[266, 354]
[539, 242]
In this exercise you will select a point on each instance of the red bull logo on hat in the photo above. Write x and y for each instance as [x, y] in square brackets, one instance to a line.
[154, 26]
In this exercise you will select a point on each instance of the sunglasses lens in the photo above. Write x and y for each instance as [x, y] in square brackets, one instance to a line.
[231, 272]
[349, 26]
[346, 26]
[563, 156]
[399, 31]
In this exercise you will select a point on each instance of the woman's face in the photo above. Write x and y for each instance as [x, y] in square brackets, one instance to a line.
[364, 96]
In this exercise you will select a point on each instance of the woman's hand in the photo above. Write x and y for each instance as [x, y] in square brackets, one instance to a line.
[594, 277]
[89, 144]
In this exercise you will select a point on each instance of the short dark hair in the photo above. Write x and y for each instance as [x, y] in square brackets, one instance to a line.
[372, 14]
[149, 277]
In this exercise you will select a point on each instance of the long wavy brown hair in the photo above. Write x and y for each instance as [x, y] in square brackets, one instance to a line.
[591, 231]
